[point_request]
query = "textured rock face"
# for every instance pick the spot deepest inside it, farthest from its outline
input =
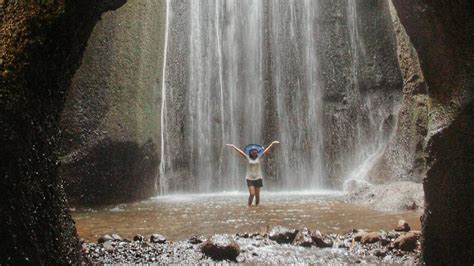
(441, 34)
(110, 123)
(366, 89)
(40, 49)
(404, 157)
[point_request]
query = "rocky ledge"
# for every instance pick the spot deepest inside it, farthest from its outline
(278, 245)
(396, 196)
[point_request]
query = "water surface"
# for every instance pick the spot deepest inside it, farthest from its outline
(179, 216)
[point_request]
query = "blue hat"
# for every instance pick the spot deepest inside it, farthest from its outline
(257, 147)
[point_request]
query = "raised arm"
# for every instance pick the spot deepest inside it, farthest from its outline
(238, 150)
(269, 146)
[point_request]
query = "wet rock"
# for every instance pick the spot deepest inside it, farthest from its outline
(358, 236)
(355, 185)
(393, 235)
(221, 247)
(379, 252)
(320, 240)
(370, 238)
(243, 235)
(104, 239)
(303, 238)
(407, 242)
(396, 196)
(108, 246)
(384, 241)
(247, 250)
(116, 237)
(283, 235)
(240, 259)
(402, 226)
(194, 240)
(157, 238)
(138, 238)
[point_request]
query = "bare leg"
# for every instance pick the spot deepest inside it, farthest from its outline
(257, 195)
(251, 194)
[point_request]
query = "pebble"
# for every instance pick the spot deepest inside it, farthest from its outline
(402, 226)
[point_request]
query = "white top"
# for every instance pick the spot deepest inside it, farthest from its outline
(254, 169)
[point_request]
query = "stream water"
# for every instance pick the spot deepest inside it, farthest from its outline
(178, 217)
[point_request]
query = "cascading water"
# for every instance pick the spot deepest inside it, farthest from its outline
(295, 75)
(374, 122)
(249, 71)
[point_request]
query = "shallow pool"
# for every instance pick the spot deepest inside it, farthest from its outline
(179, 216)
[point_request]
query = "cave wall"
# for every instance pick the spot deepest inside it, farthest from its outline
(404, 157)
(435, 39)
(40, 49)
(110, 126)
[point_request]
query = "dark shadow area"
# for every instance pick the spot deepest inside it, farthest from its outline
(442, 33)
(126, 174)
(449, 194)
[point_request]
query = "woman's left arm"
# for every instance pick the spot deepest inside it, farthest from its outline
(269, 146)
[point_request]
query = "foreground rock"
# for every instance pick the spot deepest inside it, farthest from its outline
(308, 247)
(407, 242)
(320, 240)
(370, 238)
(157, 238)
(306, 238)
(221, 247)
(41, 46)
(402, 226)
(282, 235)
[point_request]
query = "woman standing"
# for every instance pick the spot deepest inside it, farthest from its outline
(254, 176)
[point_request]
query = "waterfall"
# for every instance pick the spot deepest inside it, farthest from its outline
(372, 122)
(249, 71)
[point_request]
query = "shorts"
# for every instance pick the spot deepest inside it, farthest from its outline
(255, 183)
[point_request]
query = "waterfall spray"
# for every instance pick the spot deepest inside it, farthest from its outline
(222, 59)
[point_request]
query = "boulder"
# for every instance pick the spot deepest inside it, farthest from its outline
(320, 240)
(370, 238)
(402, 226)
(407, 242)
(221, 247)
(283, 235)
(353, 185)
(358, 236)
(303, 238)
(104, 239)
(157, 238)
(117, 237)
(194, 240)
(138, 238)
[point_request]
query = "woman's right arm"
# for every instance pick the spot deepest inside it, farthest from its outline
(238, 150)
